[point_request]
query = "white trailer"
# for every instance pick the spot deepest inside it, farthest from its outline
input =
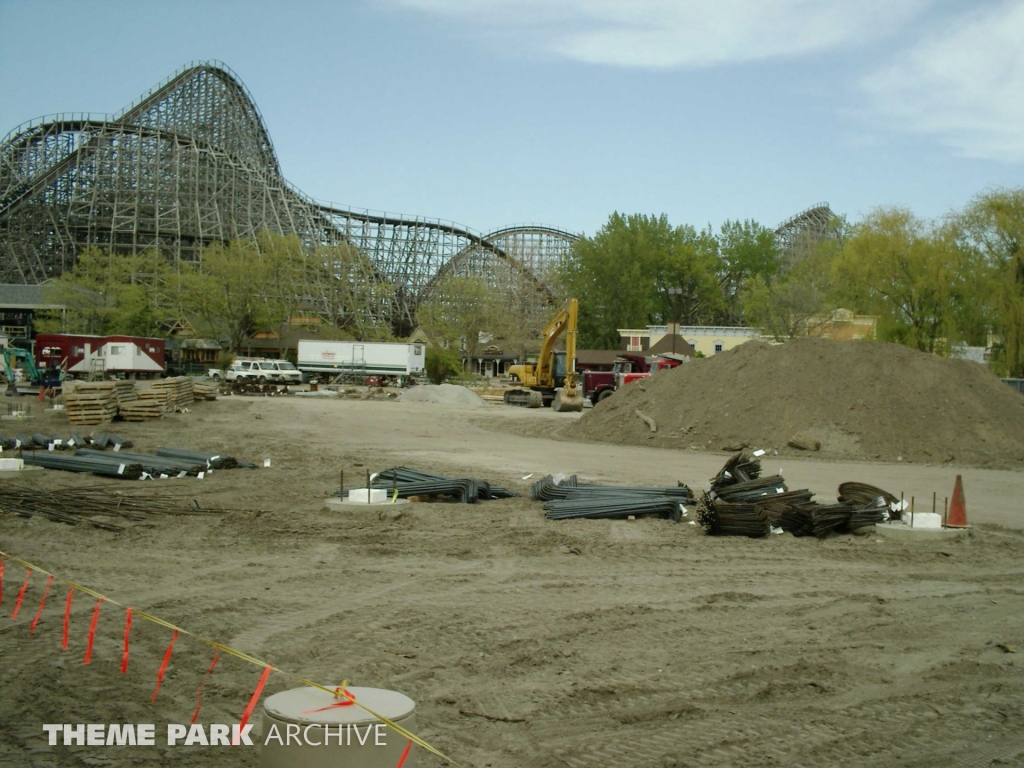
(354, 359)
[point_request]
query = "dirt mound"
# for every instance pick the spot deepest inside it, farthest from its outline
(858, 400)
(448, 394)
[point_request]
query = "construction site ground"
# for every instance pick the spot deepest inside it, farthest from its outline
(523, 642)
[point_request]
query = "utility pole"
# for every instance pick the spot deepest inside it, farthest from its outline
(675, 292)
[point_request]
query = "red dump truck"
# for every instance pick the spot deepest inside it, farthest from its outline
(597, 385)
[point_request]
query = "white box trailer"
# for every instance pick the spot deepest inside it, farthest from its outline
(361, 358)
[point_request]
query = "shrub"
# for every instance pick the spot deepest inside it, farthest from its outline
(442, 364)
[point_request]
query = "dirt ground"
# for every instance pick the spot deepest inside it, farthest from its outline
(653, 646)
(857, 400)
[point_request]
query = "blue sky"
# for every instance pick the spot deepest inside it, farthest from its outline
(496, 112)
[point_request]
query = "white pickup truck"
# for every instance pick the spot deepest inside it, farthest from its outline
(261, 372)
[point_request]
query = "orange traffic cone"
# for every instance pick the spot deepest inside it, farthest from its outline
(957, 507)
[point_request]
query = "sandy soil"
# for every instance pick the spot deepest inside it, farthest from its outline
(654, 646)
(857, 400)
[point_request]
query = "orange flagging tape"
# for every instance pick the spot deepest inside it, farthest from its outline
(218, 647)
(252, 704)
(127, 631)
(337, 692)
(42, 602)
(163, 665)
(405, 754)
(92, 631)
(1, 581)
(67, 617)
(199, 690)
(21, 594)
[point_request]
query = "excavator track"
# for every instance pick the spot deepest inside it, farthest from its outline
(525, 398)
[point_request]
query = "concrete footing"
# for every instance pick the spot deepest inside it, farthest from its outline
(902, 532)
(7, 474)
(338, 505)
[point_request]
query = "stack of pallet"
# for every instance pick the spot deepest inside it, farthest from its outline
(124, 392)
(95, 404)
(157, 399)
(144, 408)
(180, 389)
(207, 389)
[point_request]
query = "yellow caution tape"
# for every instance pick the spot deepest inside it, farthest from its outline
(243, 656)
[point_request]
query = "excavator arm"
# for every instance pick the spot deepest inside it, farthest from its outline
(563, 322)
(541, 377)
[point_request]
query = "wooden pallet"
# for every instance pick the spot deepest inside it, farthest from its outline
(142, 410)
(157, 398)
(89, 408)
(180, 388)
(205, 390)
(122, 391)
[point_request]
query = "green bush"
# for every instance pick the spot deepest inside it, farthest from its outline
(442, 364)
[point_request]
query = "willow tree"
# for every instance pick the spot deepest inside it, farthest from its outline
(111, 293)
(637, 270)
(991, 231)
(910, 273)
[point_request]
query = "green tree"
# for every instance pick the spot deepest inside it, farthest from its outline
(459, 309)
(908, 272)
(747, 251)
(111, 293)
(441, 364)
(990, 230)
(622, 277)
(226, 291)
(799, 297)
(343, 289)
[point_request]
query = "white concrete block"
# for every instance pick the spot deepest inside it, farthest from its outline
(11, 465)
(377, 495)
(924, 520)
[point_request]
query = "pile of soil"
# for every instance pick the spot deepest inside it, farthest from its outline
(857, 399)
(447, 394)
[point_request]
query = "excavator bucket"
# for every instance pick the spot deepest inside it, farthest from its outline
(566, 402)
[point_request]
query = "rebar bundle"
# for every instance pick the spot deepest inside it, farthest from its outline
(831, 517)
(547, 489)
(738, 469)
(862, 518)
(413, 482)
(793, 516)
(741, 502)
(721, 518)
(97, 465)
(212, 460)
(804, 518)
(104, 439)
(83, 505)
(749, 491)
(151, 465)
(866, 495)
(610, 505)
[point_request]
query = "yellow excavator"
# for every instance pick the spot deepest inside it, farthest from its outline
(553, 379)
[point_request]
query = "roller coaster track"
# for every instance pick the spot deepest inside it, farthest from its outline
(809, 226)
(191, 163)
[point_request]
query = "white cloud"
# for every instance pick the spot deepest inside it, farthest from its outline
(963, 84)
(679, 33)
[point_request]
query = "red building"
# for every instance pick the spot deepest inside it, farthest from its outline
(102, 355)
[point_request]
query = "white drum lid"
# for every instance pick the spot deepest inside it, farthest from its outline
(299, 704)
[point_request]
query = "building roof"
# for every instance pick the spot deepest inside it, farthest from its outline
(670, 344)
(19, 296)
(491, 351)
(597, 356)
(186, 343)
